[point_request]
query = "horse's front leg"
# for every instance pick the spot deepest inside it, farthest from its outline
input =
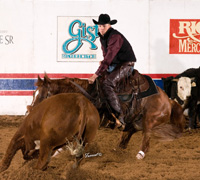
(125, 138)
(145, 146)
(30, 151)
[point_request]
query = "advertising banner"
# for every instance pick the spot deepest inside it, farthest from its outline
(77, 39)
(184, 36)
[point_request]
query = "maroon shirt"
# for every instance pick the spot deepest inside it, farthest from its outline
(116, 50)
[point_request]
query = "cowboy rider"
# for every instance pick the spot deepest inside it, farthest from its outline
(118, 61)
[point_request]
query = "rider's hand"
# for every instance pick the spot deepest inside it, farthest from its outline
(92, 78)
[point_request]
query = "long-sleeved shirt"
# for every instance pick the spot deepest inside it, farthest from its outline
(116, 50)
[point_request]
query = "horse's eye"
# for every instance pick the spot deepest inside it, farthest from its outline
(181, 88)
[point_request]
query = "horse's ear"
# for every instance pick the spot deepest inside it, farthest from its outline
(46, 78)
(175, 80)
(39, 82)
(67, 80)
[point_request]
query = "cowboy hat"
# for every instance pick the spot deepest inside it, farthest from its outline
(105, 19)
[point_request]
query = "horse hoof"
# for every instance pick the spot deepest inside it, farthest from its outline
(140, 155)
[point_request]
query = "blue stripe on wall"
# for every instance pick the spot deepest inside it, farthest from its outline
(159, 83)
(28, 84)
(17, 84)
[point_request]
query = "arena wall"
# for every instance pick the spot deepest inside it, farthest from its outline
(163, 33)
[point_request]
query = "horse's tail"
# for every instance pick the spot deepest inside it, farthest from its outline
(16, 143)
(174, 129)
(83, 118)
(77, 148)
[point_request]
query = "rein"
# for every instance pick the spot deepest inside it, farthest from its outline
(96, 101)
(83, 91)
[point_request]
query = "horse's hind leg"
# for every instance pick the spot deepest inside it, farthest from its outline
(80, 149)
(149, 123)
(78, 161)
(44, 155)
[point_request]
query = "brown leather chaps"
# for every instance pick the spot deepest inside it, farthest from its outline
(113, 78)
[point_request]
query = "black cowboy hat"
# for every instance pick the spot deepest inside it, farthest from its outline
(105, 19)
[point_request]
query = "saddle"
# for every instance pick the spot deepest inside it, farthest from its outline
(130, 91)
(135, 86)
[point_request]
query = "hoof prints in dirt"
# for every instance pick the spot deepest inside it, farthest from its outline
(10, 121)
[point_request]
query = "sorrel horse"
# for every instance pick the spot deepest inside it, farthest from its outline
(56, 122)
(159, 116)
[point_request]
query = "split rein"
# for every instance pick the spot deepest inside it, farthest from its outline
(96, 101)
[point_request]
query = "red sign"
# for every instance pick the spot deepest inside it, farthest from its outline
(184, 36)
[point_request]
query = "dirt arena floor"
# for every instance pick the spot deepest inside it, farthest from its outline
(175, 160)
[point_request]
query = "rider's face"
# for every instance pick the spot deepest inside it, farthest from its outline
(103, 28)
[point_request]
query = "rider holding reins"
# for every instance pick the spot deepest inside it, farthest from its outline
(118, 61)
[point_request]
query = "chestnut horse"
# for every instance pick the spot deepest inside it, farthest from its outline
(159, 116)
(55, 122)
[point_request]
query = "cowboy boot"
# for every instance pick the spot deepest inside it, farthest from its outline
(121, 118)
(120, 124)
(114, 103)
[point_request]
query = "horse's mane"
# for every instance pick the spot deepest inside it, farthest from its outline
(63, 85)
(82, 82)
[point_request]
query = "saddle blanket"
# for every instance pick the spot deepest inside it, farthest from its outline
(150, 91)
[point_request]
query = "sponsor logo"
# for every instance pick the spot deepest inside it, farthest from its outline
(5, 38)
(77, 39)
(83, 33)
(184, 36)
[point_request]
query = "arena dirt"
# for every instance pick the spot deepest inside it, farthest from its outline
(175, 160)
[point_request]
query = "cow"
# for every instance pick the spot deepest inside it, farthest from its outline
(185, 89)
(54, 123)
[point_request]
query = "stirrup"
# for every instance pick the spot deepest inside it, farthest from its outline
(121, 126)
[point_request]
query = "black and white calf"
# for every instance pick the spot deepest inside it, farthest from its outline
(185, 89)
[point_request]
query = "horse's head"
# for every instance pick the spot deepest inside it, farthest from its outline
(47, 87)
(41, 92)
(43, 88)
